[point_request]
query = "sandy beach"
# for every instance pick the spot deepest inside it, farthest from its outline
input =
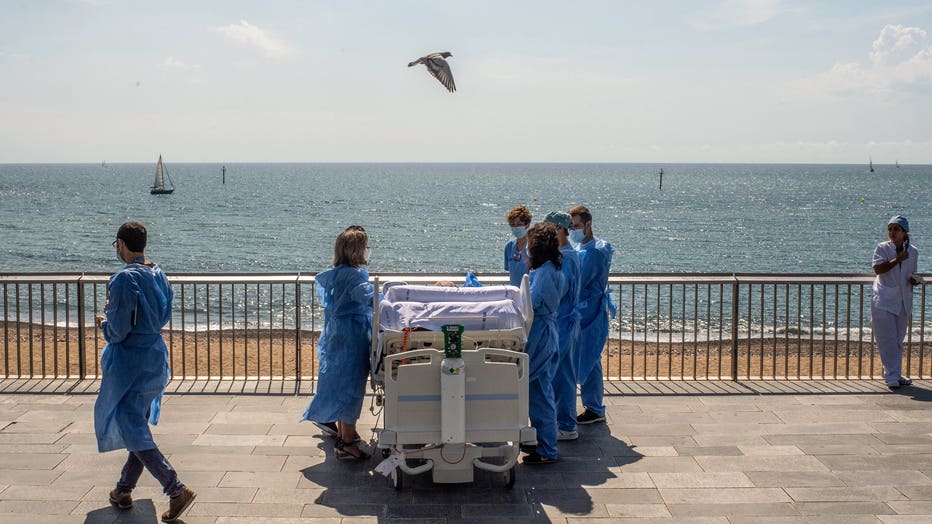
(245, 353)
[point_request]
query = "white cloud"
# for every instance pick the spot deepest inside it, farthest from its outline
(251, 35)
(729, 14)
(900, 59)
(897, 43)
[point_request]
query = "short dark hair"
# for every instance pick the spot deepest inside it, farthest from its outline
(544, 245)
(582, 212)
(133, 235)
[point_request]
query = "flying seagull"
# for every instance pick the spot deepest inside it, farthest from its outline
(438, 68)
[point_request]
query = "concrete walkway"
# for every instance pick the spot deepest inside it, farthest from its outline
(784, 452)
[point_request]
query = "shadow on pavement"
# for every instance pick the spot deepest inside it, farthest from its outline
(143, 511)
(540, 493)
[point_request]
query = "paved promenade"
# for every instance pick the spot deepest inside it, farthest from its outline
(782, 452)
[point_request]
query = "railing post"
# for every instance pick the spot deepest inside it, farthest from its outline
(82, 349)
(297, 333)
(734, 328)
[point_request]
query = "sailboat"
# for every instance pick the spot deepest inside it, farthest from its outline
(872, 164)
(159, 187)
(897, 164)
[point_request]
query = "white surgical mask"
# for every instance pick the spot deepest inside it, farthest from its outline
(366, 254)
(577, 235)
(519, 231)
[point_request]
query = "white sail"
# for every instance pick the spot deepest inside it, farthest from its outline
(159, 177)
(158, 186)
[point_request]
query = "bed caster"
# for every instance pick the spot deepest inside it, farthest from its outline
(509, 478)
(386, 453)
(397, 478)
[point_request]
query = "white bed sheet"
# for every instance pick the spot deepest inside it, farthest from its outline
(493, 314)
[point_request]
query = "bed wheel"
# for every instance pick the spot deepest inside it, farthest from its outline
(386, 452)
(397, 478)
(510, 478)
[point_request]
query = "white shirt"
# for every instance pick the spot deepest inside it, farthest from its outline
(892, 290)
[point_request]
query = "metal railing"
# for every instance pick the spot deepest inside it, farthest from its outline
(670, 327)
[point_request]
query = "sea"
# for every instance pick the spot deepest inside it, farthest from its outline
(450, 218)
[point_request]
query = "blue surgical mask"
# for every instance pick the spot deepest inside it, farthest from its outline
(577, 235)
(519, 231)
(120, 258)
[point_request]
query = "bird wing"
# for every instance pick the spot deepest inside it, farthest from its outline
(440, 69)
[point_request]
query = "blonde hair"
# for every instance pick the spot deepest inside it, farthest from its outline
(350, 248)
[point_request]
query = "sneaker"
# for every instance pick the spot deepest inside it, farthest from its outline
(905, 381)
(536, 458)
(567, 435)
(328, 428)
(121, 500)
(178, 504)
(893, 385)
(589, 417)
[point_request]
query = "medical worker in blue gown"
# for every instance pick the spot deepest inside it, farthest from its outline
(135, 371)
(547, 288)
(516, 263)
(595, 307)
(564, 371)
(343, 348)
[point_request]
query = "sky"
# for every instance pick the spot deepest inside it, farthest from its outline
(537, 81)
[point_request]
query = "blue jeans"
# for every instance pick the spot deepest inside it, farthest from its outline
(158, 466)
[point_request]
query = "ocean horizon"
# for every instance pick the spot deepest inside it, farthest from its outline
(450, 218)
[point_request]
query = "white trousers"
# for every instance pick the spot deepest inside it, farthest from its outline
(889, 332)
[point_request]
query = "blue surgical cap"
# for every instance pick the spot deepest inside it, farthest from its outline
(901, 221)
(559, 218)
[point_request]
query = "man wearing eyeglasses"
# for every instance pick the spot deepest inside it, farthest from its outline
(135, 371)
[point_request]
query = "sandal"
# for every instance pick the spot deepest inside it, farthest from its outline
(348, 451)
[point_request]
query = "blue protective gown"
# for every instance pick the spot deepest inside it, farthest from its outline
(134, 362)
(516, 262)
(547, 287)
(343, 348)
(595, 306)
(564, 373)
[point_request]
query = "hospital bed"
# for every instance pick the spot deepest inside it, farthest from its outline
(444, 414)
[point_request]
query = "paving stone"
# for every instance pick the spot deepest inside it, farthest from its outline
(771, 451)
(238, 429)
(847, 494)
(916, 492)
(734, 509)
(637, 510)
(32, 448)
(31, 460)
(346, 510)
(29, 438)
(43, 493)
(904, 519)
(38, 507)
(782, 479)
(911, 507)
(843, 508)
(723, 495)
(709, 451)
(702, 480)
(260, 479)
(786, 463)
(239, 440)
(208, 462)
(735, 439)
(219, 509)
(658, 464)
(610, 480)
(884, 478)
(821, 519)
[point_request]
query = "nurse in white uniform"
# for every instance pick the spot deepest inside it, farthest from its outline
(895, 264)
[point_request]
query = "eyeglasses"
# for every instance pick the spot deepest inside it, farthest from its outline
(356, 228)
(114, 242)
